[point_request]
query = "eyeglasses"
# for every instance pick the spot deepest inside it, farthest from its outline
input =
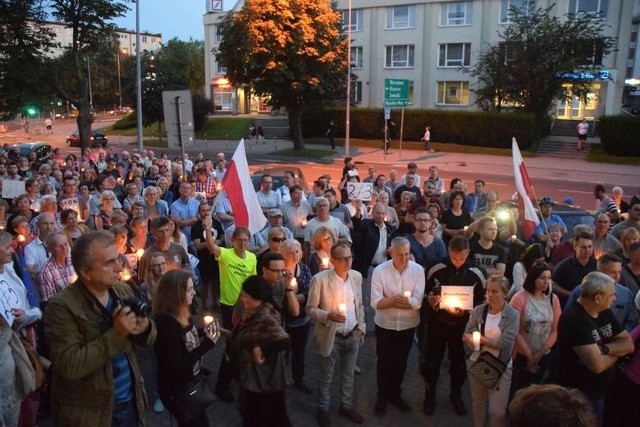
(344, 259)
(162, 264)
(278, 239)
(275, 270)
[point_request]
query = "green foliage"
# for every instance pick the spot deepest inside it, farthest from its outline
(620, 135)
(291, 50)
(462, 127)
(202, 107)
(127, 122)
(520, 71)
(23, 79)
(223, 128)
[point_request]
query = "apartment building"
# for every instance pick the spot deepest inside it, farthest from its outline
(127, 39)
(427, 41)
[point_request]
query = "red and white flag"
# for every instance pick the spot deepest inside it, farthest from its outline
(239, 188)
(528, 216)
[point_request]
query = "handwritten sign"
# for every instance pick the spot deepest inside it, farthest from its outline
(456, 297)
(8, 299)
(12, 189)
(360, 191)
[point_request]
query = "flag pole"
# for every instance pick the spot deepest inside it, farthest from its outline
(535, 196)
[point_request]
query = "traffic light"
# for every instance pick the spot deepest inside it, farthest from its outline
(31, 111)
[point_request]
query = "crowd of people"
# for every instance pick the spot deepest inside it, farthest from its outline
(106, 256)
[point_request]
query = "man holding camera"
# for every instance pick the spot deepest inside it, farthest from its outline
(91, 327)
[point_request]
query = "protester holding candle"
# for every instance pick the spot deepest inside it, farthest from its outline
(179, 346)
(442, 328)
(323, 239)
(498, 323)
(397, 290)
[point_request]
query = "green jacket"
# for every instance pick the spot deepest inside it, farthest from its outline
(81, 351)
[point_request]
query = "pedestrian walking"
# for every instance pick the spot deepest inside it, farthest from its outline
(331, 129)
(582, 129)
(427, 139)
(48, 123)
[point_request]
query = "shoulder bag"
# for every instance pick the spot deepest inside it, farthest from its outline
(487, 368)
(192, 399)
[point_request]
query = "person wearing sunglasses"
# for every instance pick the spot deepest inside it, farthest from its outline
(275, 237)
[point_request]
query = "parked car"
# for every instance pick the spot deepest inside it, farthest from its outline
(277, 173)
(98, 139)
(43, 150)
(571, 215)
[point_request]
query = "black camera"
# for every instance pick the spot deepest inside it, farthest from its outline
(139, 308)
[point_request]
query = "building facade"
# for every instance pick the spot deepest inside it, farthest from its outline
(427, 41)
(126, 38)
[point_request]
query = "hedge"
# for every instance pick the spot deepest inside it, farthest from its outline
(620, 135)
(127, 122)
(462, 127)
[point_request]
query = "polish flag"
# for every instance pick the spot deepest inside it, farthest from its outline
(528, 216)
(244, 201)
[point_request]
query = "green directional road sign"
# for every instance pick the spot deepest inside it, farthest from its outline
(396, 92)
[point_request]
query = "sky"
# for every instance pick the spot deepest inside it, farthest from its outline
(171, 18)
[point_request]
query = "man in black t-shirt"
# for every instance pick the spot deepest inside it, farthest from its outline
(590, 341)
(208, 266)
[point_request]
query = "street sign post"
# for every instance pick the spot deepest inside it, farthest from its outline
(396, 92)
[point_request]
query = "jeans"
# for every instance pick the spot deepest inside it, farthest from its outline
(392, 349)
(125, 414)
(347, 350)
(298, 336)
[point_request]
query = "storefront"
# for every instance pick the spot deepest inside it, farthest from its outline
(574, 107)
(223, 95)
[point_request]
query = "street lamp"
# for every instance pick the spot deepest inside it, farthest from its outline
(119, 80)
(347, 129)
(138, 79)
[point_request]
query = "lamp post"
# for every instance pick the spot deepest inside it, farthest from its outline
(138, 79)
(119, 81)
(347, 129)
(89, 76)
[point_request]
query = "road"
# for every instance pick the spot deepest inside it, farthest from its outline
(555, 181)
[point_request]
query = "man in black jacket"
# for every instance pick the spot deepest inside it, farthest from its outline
(444, 326)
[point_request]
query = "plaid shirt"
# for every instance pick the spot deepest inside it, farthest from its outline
(54, 278)
(208, 188)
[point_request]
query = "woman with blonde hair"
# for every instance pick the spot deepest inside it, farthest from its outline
(627, 238)
(323, 240)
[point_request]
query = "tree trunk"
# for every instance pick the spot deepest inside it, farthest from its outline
(295, 122)
(82, 104)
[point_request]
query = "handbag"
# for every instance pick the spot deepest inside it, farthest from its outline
(36, 363)
(192, 399)
(487, 368)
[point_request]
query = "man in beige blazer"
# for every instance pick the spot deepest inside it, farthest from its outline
(335, 305)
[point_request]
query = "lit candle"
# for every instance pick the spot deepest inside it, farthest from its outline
(139, 253)
(74, 277)
(386, 219)
(407, 294)
(1, 227)
(466, 227)
(325, 262)
(179, 177)
(294, 283)
(476, 341)
(208, 320)
(514, 238)
(21, 238)
(219, 187)
(451, 303)
(126, 274)
(342, 308)
(304, 222)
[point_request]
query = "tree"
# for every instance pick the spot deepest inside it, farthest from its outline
(536, 55)
(90, 22)
(292, 51)
(23, 44)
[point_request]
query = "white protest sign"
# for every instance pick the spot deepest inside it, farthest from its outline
(456, 297)
(360, 191)
(12, 189)
(8, 299)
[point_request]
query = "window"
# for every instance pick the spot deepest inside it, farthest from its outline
(453, 93)
(399, 56)
(458, 13)
(528, 6)
(596, 7)
(356, 92)
(356, 57)
(590, 52)
(454, 55)
(399, 17)
(218, 34)
(356, 20)
(144, 39)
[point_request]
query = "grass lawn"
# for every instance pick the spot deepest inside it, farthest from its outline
(231, 128)
(598, 155)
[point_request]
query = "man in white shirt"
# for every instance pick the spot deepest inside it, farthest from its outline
(268, 198)
(397, 290)
(36, 253)
(324, 218)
